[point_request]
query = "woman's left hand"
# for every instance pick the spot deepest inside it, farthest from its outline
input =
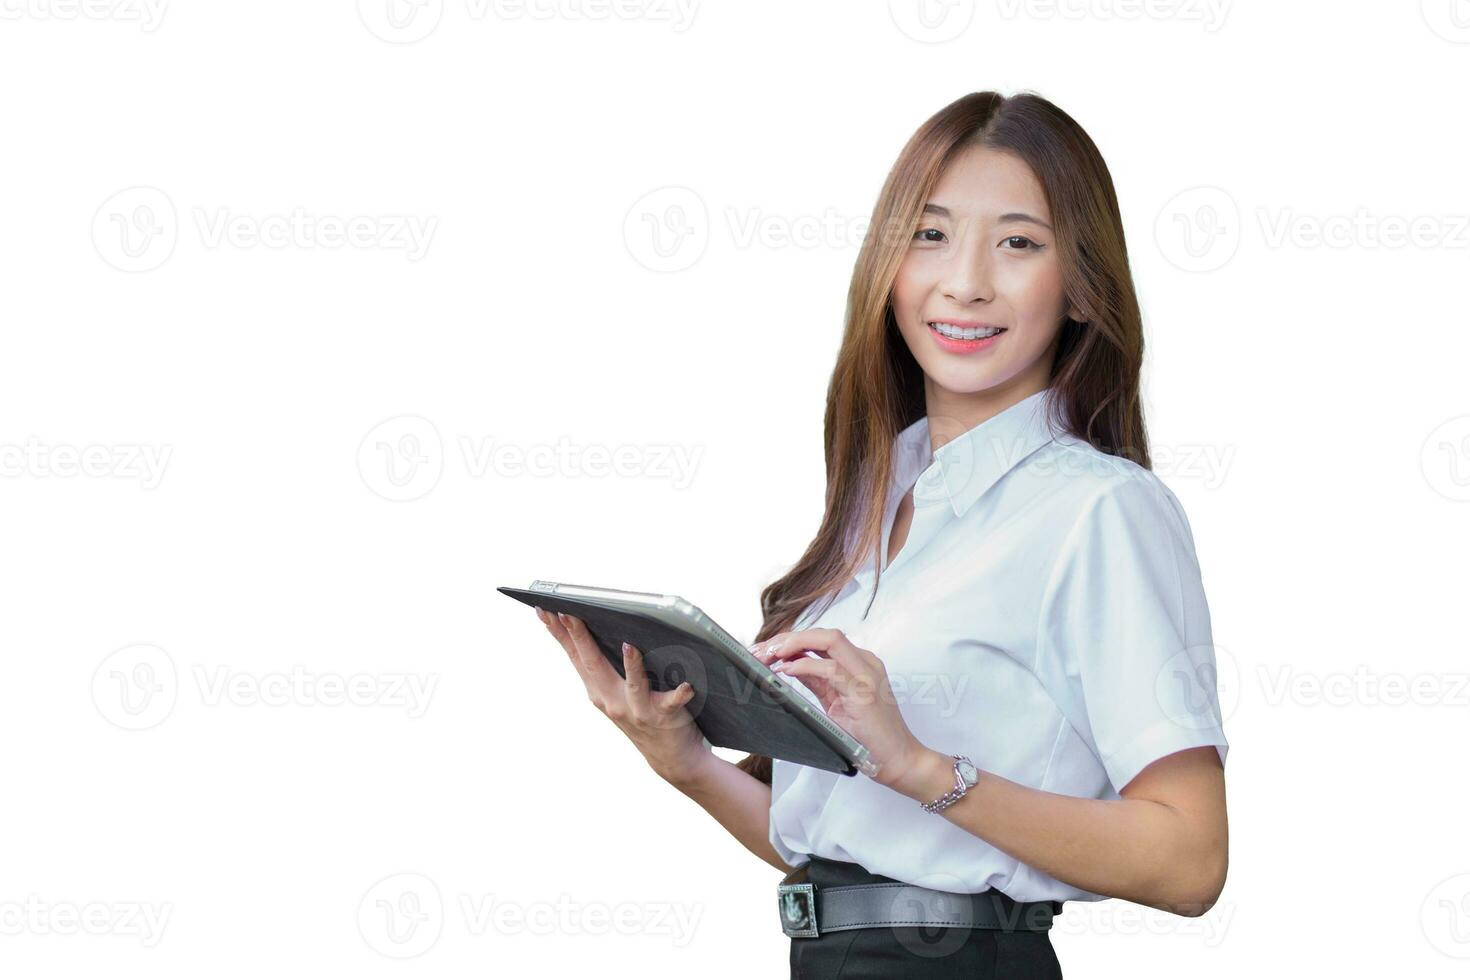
(852, 685)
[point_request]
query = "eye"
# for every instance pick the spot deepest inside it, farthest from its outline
(927, 231)
(1029, 246)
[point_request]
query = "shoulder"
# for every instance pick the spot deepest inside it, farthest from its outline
(1105, 493)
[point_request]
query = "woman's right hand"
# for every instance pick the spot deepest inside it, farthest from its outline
(656, 722)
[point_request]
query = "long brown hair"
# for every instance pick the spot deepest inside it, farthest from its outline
(877, 388)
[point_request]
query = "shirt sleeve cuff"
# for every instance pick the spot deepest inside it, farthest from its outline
(1163, 738)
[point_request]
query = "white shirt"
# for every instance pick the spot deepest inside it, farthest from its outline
(1045, 616)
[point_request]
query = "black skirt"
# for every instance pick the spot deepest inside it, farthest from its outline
(928, 952)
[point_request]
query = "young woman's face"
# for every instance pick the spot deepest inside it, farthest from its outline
(984, 255)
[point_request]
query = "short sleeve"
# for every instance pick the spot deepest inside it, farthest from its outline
(1124, 631)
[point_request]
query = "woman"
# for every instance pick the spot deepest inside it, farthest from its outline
(1034, 677)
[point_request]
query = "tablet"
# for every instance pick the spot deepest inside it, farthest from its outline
(739, 703)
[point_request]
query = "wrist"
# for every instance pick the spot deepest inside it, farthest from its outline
(927, 777)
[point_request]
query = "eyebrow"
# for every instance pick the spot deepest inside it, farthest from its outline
(943, 212)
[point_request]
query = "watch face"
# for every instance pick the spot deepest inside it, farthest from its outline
(969, 773)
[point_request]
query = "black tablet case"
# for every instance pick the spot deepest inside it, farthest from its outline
(732, 709)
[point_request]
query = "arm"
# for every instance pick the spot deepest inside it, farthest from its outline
(739, 801)
(1164, 844)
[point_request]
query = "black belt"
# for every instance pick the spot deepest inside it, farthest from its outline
(808, 911)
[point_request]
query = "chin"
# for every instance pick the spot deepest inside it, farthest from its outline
(962, 382)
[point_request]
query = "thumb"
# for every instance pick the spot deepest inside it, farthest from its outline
(677, 698)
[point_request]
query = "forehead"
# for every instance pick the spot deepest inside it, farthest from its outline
(983, 181)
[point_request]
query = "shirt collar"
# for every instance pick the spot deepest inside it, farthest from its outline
(969, 464)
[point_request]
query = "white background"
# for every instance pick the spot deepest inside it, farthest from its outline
(1305, 393)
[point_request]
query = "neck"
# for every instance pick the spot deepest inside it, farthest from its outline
(952, 414)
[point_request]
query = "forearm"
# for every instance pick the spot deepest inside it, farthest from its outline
(1137, 850)
(739, 801)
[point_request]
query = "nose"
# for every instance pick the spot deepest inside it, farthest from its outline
(966, 277)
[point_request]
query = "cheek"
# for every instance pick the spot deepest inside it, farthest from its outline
(906, 290)
(1037, 295)
(911, 288)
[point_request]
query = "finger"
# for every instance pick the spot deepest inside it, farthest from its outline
(599, 674)
(635, 682)
(670, 703)
(829, 643)
(554, 627)
(820, 686)
(855, 688)
(829, 672)
(817, 685)
(773, 648)
(559, 632)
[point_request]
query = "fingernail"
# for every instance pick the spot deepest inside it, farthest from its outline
(563, 617)
(627, 650)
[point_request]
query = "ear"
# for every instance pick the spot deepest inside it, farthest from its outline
(1075, 314)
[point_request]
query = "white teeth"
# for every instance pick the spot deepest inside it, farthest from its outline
(967, 333)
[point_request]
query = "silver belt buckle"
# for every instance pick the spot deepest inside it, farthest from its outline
(798, 909)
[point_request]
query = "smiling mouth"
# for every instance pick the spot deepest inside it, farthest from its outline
(954, 332)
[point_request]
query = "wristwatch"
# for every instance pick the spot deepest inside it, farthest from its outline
(965, 776)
